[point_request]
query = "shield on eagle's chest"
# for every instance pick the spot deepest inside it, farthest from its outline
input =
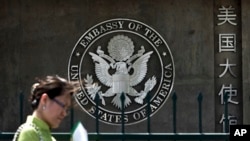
(120, 83)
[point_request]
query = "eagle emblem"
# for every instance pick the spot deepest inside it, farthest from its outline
(128, 70)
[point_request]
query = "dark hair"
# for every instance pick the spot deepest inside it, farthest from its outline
(53, 86)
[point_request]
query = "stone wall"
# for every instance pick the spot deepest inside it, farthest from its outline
(37, 37)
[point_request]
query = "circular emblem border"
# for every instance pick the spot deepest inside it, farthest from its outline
(123, 25)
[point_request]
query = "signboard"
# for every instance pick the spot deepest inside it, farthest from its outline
(122, 56)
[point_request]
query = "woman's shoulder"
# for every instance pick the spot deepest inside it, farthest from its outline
(28, 132)
(28, 128)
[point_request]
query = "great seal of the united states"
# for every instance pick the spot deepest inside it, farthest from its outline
(124, 66)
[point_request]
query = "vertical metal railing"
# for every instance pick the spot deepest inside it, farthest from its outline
(174, 99)
(225, 95)
(97, 115)
(149, 136)
(199, 99)
(148, 114)
(21, 97)
(123, 112)
(174, 112)
(72, 112)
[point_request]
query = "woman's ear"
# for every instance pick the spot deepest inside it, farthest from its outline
(44, 99)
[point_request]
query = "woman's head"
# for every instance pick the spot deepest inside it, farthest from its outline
(51, 98)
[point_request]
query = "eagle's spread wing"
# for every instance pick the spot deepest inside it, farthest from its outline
(140, 69)
(101, 69)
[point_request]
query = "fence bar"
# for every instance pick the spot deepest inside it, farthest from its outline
(137, 136)
(71, 117)
(174, 98)
(96, 113)
(200, 97)
(21, 107)
(122, 112)
(226, 112)
(225, 96)
(160, 136)
(149, 113)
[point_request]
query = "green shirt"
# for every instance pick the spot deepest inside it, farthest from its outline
(35, 129)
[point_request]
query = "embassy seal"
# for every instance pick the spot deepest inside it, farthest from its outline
(126, 71)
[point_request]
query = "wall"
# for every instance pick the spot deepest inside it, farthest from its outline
(37, 37)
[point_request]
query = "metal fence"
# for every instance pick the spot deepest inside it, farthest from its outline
(146, 136)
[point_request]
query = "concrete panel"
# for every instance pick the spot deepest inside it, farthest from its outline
(37, 37)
